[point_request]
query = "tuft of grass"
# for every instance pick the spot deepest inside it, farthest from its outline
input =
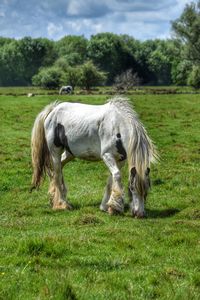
(46, 246)
(88, 219)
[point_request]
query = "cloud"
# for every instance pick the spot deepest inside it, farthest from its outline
(142, 6)
(87, 9)
(2, 14)
(55, 18)
(54, 30)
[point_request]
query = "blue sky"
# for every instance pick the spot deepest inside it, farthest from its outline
(144, 19)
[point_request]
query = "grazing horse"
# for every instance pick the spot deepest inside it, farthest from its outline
(111, 132)
(66, 90)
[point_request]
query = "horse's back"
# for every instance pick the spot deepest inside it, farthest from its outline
(80, 107)
(79, 124)
(90, 129)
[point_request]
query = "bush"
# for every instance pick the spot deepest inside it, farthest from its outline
(72, 76)
(194, 77)
(126, 80)
(86, 75)
(91, 76)
(50, 78)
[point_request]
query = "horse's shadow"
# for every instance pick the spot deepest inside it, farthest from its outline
(159, 213)
(150, 213)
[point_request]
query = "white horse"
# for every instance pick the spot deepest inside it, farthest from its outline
(66, 90)
(111, 132)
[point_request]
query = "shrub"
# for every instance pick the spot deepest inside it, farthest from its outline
(49, 78)
(72, 76)
(126, 80)
(91, 76)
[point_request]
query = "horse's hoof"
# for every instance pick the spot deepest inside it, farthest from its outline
(103, 208)
(62, 206)
(113, 211)
(69, 207)
(139, 215)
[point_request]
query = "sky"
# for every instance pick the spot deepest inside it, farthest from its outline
(144, 19)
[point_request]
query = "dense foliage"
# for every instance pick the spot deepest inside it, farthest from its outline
(157, 62)
(187, 29)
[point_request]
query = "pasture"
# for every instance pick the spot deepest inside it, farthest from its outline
(85, 253)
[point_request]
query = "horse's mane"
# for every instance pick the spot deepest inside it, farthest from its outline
(124, 105)
(141, 150)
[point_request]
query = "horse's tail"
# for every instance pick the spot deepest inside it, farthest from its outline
(41, 160)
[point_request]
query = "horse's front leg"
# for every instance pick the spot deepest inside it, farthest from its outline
(116, 201)
(106, 196)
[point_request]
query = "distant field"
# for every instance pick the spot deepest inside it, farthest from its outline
(23, 91)
(86, 254)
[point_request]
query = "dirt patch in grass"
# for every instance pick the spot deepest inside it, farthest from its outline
(88, 219)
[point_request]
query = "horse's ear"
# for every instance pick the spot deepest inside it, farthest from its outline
(147, 171)
(133, 172)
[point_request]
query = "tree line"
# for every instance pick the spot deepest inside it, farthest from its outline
(101, 59)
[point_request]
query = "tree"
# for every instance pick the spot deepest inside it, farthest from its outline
(21, 59)
(194, 77)
(91, 76)
(181, 71)
(109, 52)
(143, 53)
(4, 40)
(36, 53)
(187, 30)
(73, 49)
(11, 66)
(160, 60)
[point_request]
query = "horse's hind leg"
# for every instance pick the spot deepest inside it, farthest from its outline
(65, 158)
(52, 188)
(59, 200)
(115, 202)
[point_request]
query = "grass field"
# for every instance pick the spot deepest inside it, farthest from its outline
(84, 253)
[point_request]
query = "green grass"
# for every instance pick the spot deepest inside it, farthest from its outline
(105, 90)
(84, 253)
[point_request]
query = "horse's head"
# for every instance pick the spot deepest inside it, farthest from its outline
(138, 190)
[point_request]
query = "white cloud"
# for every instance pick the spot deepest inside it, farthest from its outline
(84, 25)
(87, 8)
(141, 19)
(74, 8)
(54, 30)
(2, 14)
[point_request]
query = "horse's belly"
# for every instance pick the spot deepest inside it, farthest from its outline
(87, 155)
(90, 155)
(88, 150)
